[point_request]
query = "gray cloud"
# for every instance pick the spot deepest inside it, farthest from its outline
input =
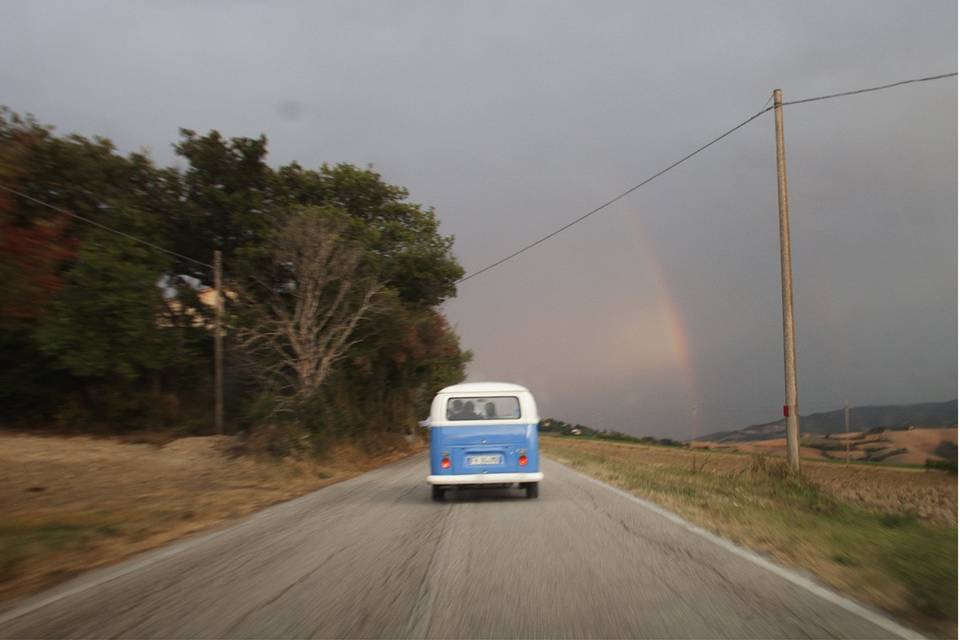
(513, 118)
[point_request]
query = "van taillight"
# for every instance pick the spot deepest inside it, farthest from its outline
(522, 460)
(445, 463)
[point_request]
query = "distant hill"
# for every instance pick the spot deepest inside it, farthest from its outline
(925, 414)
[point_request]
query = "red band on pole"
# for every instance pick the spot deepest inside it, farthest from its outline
(786, 411)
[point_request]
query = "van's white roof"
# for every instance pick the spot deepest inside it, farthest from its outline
(483, 387)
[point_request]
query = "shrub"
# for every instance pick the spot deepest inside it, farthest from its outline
(941, 465)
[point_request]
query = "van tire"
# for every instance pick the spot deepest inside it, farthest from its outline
(437, 492)
(533, 490)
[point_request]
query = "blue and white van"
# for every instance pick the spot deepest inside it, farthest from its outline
(484, 434)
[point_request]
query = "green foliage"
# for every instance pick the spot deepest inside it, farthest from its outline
(941, 465)
(96, 327)
(226, 190)
(30, 384)
(105, 323)
(924, 559)
(417, 261)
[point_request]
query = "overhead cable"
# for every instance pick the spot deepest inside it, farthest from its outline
(66, 212)
(687, 157)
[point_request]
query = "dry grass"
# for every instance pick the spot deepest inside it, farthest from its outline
(887, 536)
(930, 496)
(71, 504)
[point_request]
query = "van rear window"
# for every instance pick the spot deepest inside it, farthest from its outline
(496, 408)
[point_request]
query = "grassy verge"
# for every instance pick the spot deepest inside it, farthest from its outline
(895, 559)
(72, 504)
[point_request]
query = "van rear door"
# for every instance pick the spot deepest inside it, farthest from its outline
(486, 449)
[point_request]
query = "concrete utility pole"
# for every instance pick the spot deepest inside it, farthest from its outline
(790, 411)
(218, 342)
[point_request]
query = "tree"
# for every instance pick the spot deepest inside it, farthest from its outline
(227, 203)
(32, 256)
(333, 266)
(417, 261)
(105, 322)
(32, 249)
(311, 286)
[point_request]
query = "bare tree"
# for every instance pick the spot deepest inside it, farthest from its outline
(304, 305)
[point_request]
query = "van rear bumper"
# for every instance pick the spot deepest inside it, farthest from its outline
(486, 478)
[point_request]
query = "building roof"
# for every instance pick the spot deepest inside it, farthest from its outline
(483, 387)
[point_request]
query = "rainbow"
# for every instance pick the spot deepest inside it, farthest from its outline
(677, 335)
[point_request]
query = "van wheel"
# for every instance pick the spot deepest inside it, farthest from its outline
(533, 490)
(437, 492)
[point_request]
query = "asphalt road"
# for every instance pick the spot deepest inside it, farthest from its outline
(374, 557)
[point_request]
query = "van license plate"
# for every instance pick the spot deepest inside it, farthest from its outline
(481, 460)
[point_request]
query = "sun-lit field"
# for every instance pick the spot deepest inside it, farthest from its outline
(910, 447)
(885, 535)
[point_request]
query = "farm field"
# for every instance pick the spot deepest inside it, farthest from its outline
(891, 446)
(885, 535)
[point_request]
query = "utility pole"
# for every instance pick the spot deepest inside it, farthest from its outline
(846, 427)
(218, 342)
(786, 287)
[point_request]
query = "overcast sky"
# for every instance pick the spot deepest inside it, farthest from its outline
(660, 315)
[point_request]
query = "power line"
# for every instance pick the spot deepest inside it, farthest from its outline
(769, 100)
(764, 110)
(103, 226)
(868, 89)
(616, 198)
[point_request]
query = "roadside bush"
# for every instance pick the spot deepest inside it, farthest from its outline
(941, 465)
(280, 441)
(947, 450)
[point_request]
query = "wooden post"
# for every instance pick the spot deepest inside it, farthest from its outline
(790, 408)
